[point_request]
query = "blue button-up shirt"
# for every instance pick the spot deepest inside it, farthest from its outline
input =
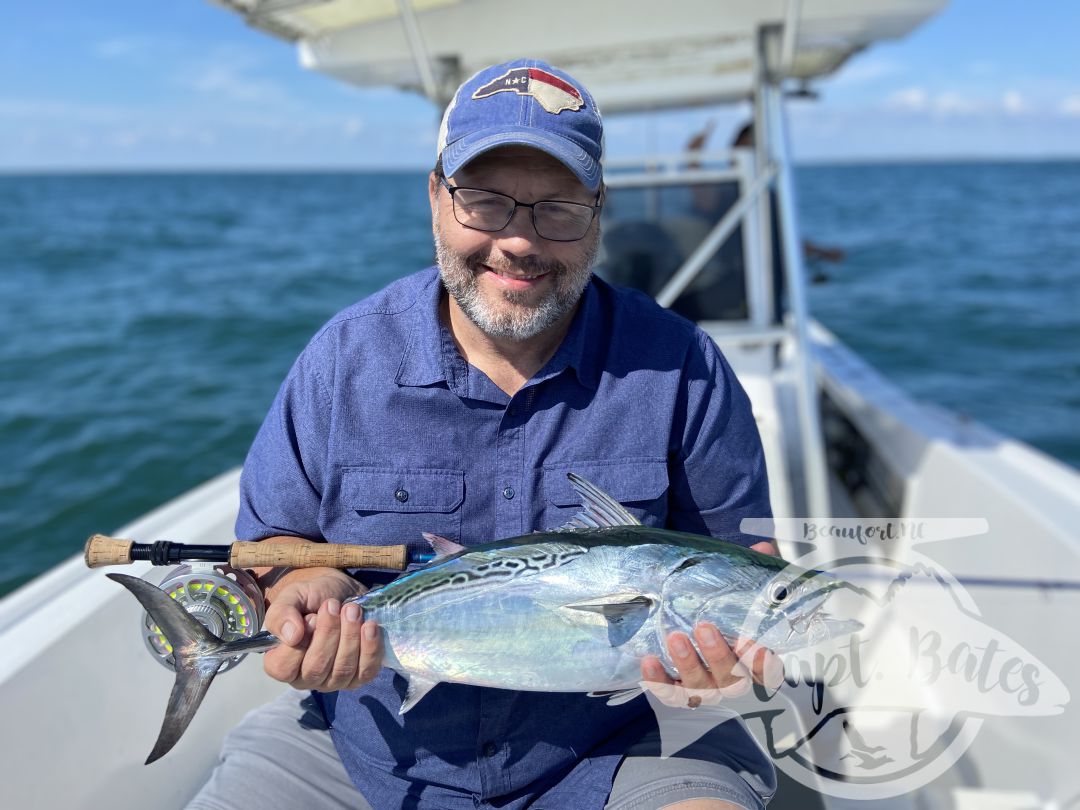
(382, 431)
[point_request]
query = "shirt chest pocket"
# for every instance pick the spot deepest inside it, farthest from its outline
(386, 506)
(640, 485)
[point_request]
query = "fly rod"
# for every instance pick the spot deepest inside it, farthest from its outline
(103, 550)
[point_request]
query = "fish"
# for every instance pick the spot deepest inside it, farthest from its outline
(574, 609)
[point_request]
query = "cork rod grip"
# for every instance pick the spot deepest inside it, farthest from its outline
(315, 555)
(103, 550)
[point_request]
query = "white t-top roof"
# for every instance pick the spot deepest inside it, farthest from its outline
(631, 54)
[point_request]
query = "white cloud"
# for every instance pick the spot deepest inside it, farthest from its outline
(353, 127)
(227, 82)
(990, 106)
(911, 99)
(180, 134)
(1015, 104)
(867, 70)
(127, 139)
(876, 133)
(956, 104)
(57, 112)
(1070, 106)
(918, 100)
(981, 68)
(122, 47)
(232, 74)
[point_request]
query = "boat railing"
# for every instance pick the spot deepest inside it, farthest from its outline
(658, 165)
(773, 149)
(774, 307)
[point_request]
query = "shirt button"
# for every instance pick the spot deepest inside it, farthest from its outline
(508, 493)
(402, 495)
(490, 749)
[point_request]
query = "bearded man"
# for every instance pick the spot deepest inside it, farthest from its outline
(454, 402)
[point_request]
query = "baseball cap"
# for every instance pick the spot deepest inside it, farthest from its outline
(524, 102)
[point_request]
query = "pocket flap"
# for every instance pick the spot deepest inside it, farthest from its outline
(625, 481)
(377, 489)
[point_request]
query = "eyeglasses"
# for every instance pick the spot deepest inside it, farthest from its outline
(555, 220)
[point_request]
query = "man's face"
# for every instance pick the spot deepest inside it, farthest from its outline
(513, 284)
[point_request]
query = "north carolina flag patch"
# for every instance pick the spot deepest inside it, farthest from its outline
(551, 92)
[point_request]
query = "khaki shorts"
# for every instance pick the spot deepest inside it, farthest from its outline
(281, 757)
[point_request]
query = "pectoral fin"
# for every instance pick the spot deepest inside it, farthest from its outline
(624, 613)
(614, 605)
(418, 687)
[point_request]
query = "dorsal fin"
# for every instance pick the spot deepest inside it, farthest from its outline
(441, 546)
(598, 508)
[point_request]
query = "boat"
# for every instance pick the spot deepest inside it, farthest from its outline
(82, 700)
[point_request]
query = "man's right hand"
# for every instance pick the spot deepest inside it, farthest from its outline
(325, 646)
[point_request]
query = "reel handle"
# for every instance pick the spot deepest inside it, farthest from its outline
(104, 550)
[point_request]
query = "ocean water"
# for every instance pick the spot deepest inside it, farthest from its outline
(149, 319)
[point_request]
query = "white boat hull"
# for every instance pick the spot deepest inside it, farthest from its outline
(82, 700)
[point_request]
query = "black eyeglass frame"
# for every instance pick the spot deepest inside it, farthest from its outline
(593, 209)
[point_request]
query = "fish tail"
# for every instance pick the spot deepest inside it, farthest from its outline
(197, 656)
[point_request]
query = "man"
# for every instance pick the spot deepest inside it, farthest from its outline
(454, 402)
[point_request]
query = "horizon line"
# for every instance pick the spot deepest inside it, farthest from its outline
(15, 171)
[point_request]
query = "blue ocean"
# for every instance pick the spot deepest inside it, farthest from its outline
(149, 319)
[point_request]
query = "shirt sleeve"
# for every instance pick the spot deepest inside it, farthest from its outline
(717, 471)
(282, 480)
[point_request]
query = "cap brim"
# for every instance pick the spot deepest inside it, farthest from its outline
(465, 149)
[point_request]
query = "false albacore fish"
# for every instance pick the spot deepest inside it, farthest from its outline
(570, 610)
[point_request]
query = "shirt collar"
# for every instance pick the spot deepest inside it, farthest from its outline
(422, 364)
(430, 357)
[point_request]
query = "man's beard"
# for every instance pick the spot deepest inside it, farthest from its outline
(516, 319)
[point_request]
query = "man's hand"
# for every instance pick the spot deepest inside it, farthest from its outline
(325, 646)
(724, 672)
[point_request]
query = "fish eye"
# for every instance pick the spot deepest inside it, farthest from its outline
(779, 593)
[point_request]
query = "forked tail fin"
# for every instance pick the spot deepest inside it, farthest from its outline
(197, 655)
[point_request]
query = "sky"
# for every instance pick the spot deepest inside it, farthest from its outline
(131, 84)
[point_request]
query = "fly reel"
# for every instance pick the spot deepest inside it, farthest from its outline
(224, 600)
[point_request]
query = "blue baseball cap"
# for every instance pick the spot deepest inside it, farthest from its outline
(525, 102)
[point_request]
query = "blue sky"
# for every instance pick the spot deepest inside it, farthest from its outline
(185, 84)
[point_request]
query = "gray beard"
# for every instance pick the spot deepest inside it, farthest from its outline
(517, 321)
